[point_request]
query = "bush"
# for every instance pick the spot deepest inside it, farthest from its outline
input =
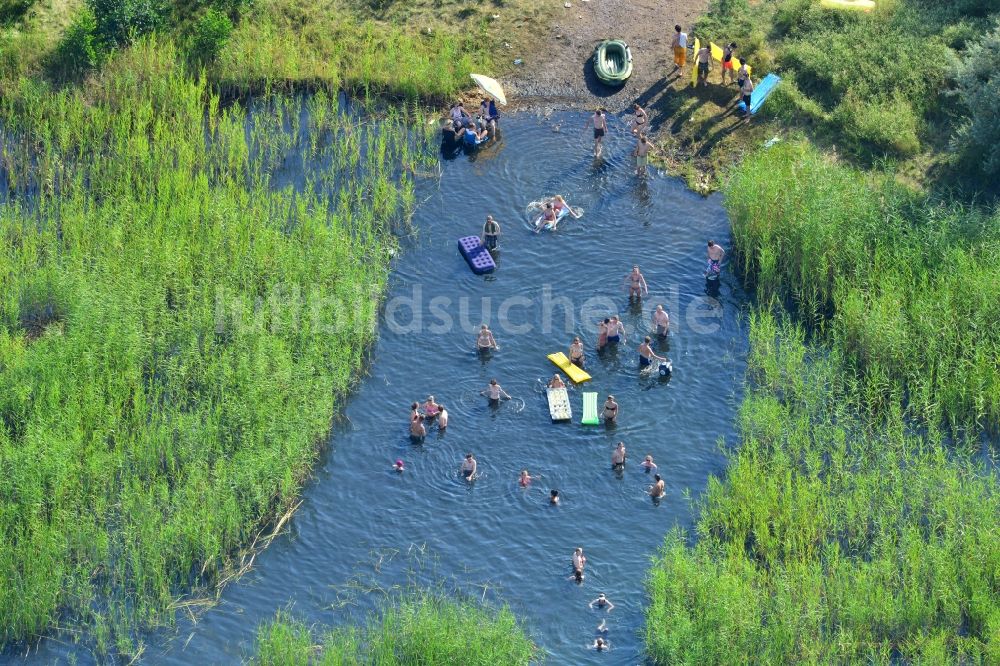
(120, 22)
(79, 49)
(888, 126)
(209, 36)
(13, 10)
(979, 90)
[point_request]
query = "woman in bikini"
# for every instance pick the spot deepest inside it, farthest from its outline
(549, 218)
(639, 122)
(610, 410)
(485, 340)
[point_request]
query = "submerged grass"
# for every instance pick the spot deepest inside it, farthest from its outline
(859, 520)
(179, 317)
(416, 628)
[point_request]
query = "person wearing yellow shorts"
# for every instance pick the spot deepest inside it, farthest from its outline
(679, 43)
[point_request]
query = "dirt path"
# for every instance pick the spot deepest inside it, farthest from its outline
(558, 73)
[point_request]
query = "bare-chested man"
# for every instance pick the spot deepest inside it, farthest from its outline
(647, 355)
(661, 321)
(600, 123)
(715, 255)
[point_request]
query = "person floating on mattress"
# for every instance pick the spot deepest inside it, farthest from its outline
(715, 255)
(548, 217)
(646, 354)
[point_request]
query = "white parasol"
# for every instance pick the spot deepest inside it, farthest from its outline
(491, 87)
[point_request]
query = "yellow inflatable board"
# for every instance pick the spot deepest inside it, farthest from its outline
(858, 5)
(574, 373)
(718, 54)
(694, 63)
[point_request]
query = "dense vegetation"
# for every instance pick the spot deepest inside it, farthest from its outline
(418, 628)
(909, 83)
(171, 330)
(851, 525)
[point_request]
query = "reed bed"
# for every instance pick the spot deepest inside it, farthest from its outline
(859, 520)
(837, 536)
(415, 628)
(187, 291)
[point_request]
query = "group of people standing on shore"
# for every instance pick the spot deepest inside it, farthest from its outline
(703, 61)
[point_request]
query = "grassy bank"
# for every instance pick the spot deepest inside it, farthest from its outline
(858, 520)
(173, 340)
(879, 87)
(419, 628)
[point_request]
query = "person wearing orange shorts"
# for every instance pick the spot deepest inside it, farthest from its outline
(727, 62)
(679, 44)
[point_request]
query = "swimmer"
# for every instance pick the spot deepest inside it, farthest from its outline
(431, 408)
(657, 489)
(616, 330)
(579, 562)
(602, 333)
(525, 479)
(554, 497)
(469, 467)
(618, 456)
(647, 464)
(636, 283)
(610, 410)
(661, 321)
(559, 204)
(602, 628)
(646, 354)
(600, 645)
(398, 466)
(715, 256)
(602, 602)
(576, 353)
(494, 392)
(485, 340)
(442, 419)
(417, 430)
(557, 382)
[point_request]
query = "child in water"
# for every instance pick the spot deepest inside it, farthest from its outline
(398, 466)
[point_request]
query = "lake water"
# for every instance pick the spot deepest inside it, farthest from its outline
(363, 530)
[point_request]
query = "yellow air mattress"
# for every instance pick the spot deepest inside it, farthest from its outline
(694, 63)
(574, 373)
(857, 5)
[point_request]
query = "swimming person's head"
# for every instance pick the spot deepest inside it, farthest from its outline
(621, 445)
(711, 243)
(648, 339)
(430, 398)
(493, 382)
(607, 321)
(649, 458)
(657, 477)
(489, 218)
(659, 307)
(414, 406)
(554, 495)
(484, 327)
(468, 456)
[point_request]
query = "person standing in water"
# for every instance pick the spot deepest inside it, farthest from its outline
(494, 392)
(616, 331)
(469, 467)
(431, 408)
(442, 419)
(491, 233)
(600, 124)
(602, 333)
(727, 62)
(646, 354)
(525, 479)
(679, 43)
(704, 60)
(485, 340)
(557, 381)
(554, 497)
(641, 152)
(618, 457)
(636, 283)
(647, 464)
(576, 355)
(661, 321)
(610, 410)
(657, 489)
(715, 256)
(417, 430)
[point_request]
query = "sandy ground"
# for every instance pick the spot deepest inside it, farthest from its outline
(558, 71)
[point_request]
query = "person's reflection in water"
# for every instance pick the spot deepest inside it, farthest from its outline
(643, 198)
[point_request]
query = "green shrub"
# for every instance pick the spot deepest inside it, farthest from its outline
(876, 126)
(979, 90)
(120, 22)
(79, 50)
(13, 10)
(209, 36)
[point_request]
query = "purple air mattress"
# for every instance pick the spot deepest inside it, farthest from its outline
(478, 256)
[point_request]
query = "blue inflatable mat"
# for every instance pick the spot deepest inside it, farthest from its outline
(760, 93)
(478, 257)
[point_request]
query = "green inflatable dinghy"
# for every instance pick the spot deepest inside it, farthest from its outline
(613, 62)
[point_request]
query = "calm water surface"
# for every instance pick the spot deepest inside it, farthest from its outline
(364, 530)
